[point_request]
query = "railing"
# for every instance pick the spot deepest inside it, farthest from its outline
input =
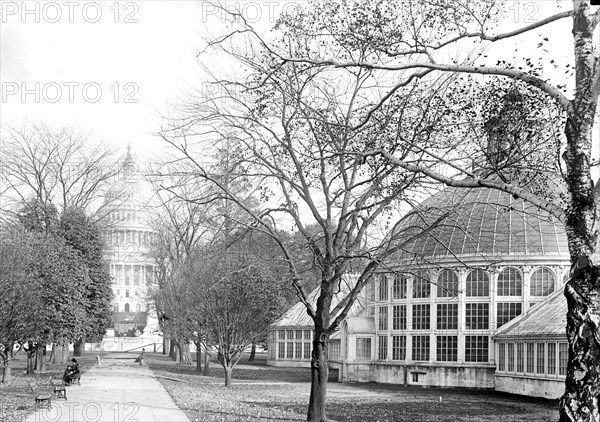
(156, 347)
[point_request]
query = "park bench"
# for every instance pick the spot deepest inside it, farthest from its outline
(41, 399)
(75, 378)
(60, 391)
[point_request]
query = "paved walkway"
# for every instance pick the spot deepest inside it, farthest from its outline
(119, 391)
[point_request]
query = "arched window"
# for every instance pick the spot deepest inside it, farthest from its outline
(118, 292)
(138, 307)
(542, 282)
(116, 307)
(447, 284)
(127, 307)
(421, 285)
(478, 283)
(399, 286)
(510, 282)
(383, 287)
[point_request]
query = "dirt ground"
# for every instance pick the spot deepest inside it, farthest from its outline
(263, 393)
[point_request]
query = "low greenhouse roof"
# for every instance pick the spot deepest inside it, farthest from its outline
(297, 316)
(545, 319)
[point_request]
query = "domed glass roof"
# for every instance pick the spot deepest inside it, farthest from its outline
(481, 222)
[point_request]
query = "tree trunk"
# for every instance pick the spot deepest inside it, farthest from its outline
(65, 353)
(228, 370)
(78, 347)
(319, 374)
(6, 370)
(172, 351)
(40, 358)
(185, 354)
(31, 360)
(58, 353)
(198, 358)
(252, 353)
(582, 385)
(6, 373)
(166, 345)
(206, 370)
(580, 401)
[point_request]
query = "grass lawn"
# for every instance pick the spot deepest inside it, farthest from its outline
(16, 398)
(264, 393)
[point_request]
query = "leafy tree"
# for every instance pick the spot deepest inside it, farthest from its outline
(54, 273)
(239, 301)
(16, 254)
(85, 237)
(52, 281)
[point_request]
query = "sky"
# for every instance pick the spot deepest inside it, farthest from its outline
(115, 68)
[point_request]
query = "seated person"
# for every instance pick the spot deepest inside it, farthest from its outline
(72, 372)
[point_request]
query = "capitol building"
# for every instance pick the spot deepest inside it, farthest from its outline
(128, 234)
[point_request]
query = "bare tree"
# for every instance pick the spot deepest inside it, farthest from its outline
(181, 226)
(55, 166)
(293, 151)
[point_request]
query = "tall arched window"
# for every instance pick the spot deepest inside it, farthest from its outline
(383, 287)
(447, 284)
(542, 282)
(478, 283)
(116, 307)
(127, 307)
(510, 282)
(421, 285)
(138, 307)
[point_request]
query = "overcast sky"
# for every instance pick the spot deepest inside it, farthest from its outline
(113, 68)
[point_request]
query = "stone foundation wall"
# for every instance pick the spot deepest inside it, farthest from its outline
(424, 375)
(530, 386)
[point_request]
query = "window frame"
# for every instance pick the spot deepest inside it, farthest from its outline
(477, 287)
(447, 284)
(510, 286)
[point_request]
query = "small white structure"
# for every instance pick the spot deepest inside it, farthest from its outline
(290, 338)
(532, 351)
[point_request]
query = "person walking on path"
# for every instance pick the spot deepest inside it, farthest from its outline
(140, 358)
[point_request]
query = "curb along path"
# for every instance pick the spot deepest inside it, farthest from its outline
(118, 391)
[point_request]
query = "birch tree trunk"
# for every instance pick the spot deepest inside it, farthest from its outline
(582, 385)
